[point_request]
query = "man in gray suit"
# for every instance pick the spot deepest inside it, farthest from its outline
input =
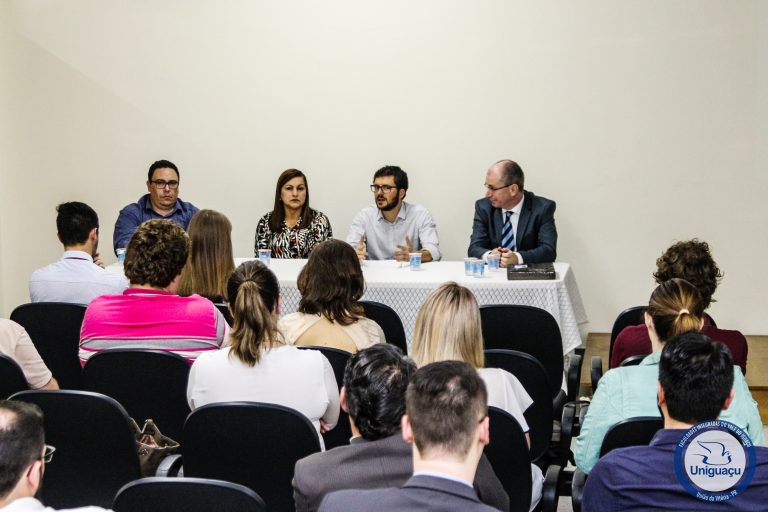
(447, 421)
(511, 221)
(375, 382)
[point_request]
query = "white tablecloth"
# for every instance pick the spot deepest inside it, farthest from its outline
(404, 291)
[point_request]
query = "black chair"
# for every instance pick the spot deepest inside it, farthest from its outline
(249, 443)
(188, 494)
(225, 312)
(630, 432)
(95, 447)
(633, 360)
(341, 434)
(535, 332)
(389, 322)
(534, 379)
(630, 316)
(147, 383)
(509, 456)
(12, 378)
(54, 328)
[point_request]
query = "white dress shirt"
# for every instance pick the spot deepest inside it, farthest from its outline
(74, 279)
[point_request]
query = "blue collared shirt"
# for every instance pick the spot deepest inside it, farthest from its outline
(134, 214)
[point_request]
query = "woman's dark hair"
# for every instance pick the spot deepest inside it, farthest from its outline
(675, 308)
(332, 282)
(278, 212)
(252, 292)
(692, 261)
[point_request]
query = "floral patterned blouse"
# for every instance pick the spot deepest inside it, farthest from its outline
(292, 242)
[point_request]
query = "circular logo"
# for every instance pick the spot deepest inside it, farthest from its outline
(715, 461)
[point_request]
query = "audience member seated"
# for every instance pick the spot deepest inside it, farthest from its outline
(375, 381)
(149, 314)
(330, 284)
(695, 384)
(292, 228)
(258, 366)
(210, 259)
(161, 202)
(79, 275)
(448, 328)
(692, 261)
(627, 392)
(15, 342)
(447, 419)
(23, 456)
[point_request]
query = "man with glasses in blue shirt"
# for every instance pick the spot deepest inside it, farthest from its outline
(512, 222)
(393, 228)
(161, 202)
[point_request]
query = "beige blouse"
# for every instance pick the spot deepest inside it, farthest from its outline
(363, 333)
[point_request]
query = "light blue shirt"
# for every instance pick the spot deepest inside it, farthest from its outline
(630, 391)
(382, 237)
(75, 278)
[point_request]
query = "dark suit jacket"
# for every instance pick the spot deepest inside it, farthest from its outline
(419, 493)
(387, 462)
(536, 237)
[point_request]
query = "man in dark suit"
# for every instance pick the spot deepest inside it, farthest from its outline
(513, 222)
(447, 421)
(375, 381)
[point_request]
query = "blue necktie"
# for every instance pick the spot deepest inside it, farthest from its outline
(507, 235)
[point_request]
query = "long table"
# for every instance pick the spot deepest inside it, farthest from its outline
(404, 291)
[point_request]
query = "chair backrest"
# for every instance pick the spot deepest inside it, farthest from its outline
(630, 316)
(224, 309)
(249, 443)
(95, 447)
(534, 379)
(188, 494)
(12, 378)
(54, 328)
(508, 454)
(526, 329)
(389, 322)
(341, 434)
(633, 360)
(631, 432)
(147, 383)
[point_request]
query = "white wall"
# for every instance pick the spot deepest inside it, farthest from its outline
(647, 121)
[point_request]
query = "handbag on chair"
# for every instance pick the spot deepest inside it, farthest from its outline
(152, 446)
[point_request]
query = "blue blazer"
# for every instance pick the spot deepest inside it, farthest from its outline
(536, 237)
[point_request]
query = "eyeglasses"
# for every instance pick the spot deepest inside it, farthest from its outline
(161, 184)
(48, 454)
(384, 188)
(491, 188)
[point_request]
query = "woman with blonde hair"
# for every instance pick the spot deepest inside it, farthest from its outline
(331, 284)
(675, 308)
(448, 328)
(258, 366)
(210, 260)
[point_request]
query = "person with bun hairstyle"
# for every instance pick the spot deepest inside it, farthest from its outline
(690, 260)
(258, 366)
(626, 392)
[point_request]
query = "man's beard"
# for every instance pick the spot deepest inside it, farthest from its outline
(388, 206)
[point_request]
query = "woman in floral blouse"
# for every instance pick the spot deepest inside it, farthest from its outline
(292, 228)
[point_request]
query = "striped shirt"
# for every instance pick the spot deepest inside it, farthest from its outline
(152, 319)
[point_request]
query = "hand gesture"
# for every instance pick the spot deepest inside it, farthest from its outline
(507, 257)
(402, 252)
(361, 250)
(97, 260)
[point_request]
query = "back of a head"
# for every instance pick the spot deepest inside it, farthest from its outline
(156, 254)
(399, 175)
(675, 308)
(332, 282)
(253, 293)
(512, 173)
(444, 402)
(210, 261)
(448, 327)
(696, 375)
(375, 380)
(21, 441)
(690, 260)
(74, 222)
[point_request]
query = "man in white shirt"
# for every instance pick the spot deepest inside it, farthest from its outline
(23, 456)
(78, 276)
(393, 228)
